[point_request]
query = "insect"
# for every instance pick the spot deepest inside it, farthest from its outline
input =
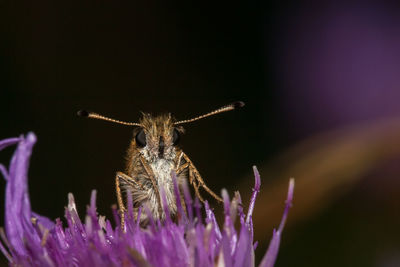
(152, 155)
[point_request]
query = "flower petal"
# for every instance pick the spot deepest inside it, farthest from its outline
(9, 142)
(273, 248)
(192, 241)
(18, 210)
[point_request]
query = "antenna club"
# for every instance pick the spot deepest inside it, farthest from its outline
(83, 113)
(238, 104)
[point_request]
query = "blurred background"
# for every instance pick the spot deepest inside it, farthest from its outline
(321, 86)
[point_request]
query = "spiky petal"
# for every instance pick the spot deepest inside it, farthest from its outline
(34, 240)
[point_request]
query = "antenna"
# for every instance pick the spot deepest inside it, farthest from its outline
(234, 105)
(84, 113)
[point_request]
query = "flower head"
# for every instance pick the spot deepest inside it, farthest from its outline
(34, 240)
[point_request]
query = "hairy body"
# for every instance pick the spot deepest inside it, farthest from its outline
(151, 157)
(148, 168)
(143, 163)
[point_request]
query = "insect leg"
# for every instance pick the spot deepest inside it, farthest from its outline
(197, 191)
(120, 202)
(180, 189)
(150, 174)
(178, 171)
(182, 168)
(199, 180)
(126, 179)
(183, 203)
(178, 162)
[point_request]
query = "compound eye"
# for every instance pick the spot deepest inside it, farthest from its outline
(176, 136)
(140, 138)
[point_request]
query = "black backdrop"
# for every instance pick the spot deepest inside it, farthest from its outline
(118, 58)
(122, 57)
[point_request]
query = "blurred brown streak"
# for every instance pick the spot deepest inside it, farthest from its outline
(325, 167)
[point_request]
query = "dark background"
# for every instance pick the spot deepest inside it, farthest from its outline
(303, 69)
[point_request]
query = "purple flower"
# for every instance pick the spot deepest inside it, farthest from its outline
(34, 240)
